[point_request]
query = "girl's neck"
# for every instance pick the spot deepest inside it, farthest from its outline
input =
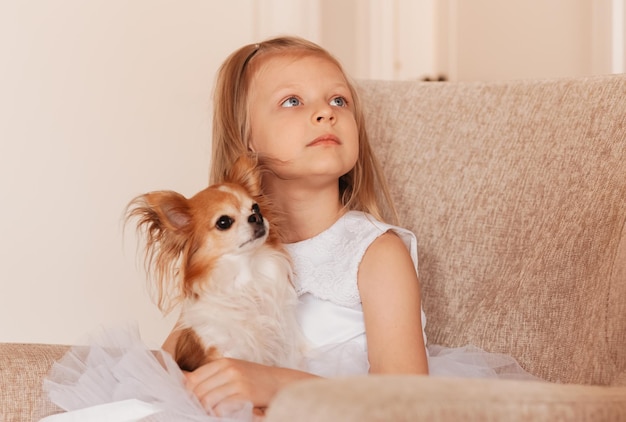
(306, 212)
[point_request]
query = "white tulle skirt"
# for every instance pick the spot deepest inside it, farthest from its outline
(473, 362)
(117, 378)
(350, 359)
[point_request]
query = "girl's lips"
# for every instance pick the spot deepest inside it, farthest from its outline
(325, 140)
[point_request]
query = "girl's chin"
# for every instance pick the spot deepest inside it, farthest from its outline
(313, 168)
(320, 171)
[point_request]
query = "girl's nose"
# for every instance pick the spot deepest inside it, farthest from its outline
(325, 115)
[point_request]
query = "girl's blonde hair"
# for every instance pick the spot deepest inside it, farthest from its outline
(362, 188)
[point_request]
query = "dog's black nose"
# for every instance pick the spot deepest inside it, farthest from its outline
(256, 217)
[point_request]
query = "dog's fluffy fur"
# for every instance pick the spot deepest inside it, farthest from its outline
(216, 256)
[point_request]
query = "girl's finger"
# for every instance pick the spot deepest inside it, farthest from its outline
(231, 407)
(216, 398)
(200, 375)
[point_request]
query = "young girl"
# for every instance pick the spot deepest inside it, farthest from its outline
(289, 101)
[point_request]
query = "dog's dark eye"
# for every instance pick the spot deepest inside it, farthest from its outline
(224, 222)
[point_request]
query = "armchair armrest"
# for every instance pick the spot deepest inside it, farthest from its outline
(411, 398)
(22, 370)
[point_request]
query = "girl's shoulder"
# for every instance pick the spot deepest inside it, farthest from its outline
(327, 265)
(360, 221)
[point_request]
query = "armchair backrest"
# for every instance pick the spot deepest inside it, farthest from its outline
(517, 194)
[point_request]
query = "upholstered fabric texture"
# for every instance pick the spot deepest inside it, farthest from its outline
(22, 369)
(417, 398)
(517, 195)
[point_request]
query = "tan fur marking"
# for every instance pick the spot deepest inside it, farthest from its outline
(190, 354)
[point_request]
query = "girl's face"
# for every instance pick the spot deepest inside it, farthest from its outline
(302, 118)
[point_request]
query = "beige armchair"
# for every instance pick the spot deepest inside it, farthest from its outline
(517, 194)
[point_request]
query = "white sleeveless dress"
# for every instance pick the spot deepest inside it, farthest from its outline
(331, 315)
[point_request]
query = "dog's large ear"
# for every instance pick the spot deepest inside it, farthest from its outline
(165, 211)
(164, 218)
(172, 208)
(246, 172)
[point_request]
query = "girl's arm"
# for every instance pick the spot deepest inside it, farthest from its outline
(391, 299)
(226, 380)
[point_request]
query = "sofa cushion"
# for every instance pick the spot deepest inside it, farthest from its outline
(517, 194)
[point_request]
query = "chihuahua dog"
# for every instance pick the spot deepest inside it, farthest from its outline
(216, 256)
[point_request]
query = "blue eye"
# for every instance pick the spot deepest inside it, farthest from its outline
(291, 102)
(339, 102)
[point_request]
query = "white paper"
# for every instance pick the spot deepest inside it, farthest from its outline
(121, 411)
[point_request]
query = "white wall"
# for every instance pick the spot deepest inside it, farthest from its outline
(499, 40)
(100, 100)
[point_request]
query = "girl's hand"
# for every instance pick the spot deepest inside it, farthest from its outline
(228, 381)
(225, 382)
